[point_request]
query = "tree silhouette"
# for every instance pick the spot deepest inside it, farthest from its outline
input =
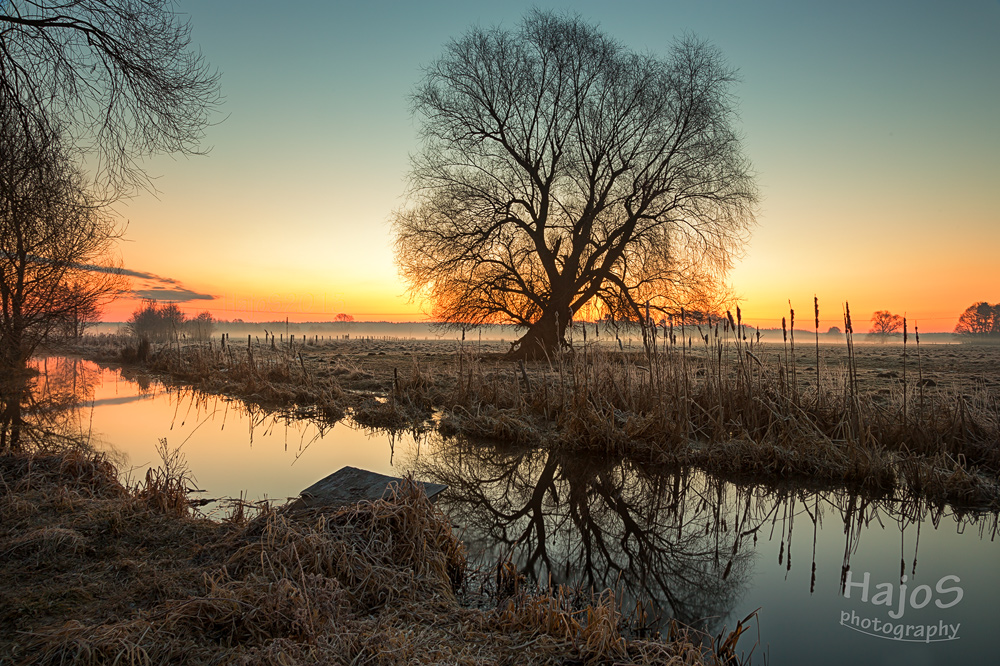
(980, 321)
(201, 326)
(116, 78)
(558, 169)
(156, 323)
(885, 325)
(56, 263)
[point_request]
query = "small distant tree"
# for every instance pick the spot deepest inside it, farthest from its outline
(85, 312)
(201, 327)
(834, 331)
(980, 321)
(885, 325)
(343, 317)
(156, 323)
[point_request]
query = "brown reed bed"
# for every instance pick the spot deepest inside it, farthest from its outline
(94, 571)
(265, 374)
(703, 394)
(713, 398)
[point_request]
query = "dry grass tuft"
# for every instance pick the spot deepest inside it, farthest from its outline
(388, 414)
(381, 552)
(118, 575)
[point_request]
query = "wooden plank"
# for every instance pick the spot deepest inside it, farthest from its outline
(350, 484)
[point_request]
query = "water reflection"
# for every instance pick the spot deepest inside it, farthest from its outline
(233, 448)
(15, 395)
(680, 539)
(571, 519)
(681, 543)
(38, 402)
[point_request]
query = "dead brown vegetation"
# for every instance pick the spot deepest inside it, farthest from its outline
(884, 419)
(269, 375)
(95, 571)
(733, 406)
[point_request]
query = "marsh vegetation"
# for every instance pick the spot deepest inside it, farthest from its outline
(97, 572)
(918, 421)
(678, 547)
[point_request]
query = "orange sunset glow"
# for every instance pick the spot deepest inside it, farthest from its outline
(873, 143)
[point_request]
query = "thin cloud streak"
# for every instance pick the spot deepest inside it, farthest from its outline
(156, 287)
(174, 295)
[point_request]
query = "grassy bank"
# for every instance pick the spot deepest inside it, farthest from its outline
(735, 410)
(95, 571)
(882, 419)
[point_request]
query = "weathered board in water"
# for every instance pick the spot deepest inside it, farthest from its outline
(350, 484)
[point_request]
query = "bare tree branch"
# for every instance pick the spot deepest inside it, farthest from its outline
(117, 79)
(56, 244)
(559, 169)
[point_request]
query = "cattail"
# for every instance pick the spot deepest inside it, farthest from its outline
(819, 394)
(791, 343)
(784, 331)
(904, 370)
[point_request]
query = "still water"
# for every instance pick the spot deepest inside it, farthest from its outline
(836, 578)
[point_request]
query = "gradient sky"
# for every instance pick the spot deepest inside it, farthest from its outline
(872, 127)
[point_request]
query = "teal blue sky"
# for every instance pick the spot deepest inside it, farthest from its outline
(872, 127)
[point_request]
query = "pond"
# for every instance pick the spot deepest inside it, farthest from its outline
(836, 578)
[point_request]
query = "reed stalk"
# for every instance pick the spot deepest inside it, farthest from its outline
(791, 343)
(819, 391)
(904, 372)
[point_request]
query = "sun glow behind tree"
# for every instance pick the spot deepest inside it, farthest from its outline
(560, 170)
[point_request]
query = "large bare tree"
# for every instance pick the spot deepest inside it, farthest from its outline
(885, 325)
(980, 321)
(559, 169)
(56, 243)
(118, 80)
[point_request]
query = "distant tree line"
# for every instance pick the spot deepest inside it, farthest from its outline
(166, 322)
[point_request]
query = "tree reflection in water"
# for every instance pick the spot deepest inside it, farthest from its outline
(678, 541)
(53, 400)
(40, 402)
(571, 519)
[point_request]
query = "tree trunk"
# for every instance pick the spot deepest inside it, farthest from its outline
(14, 390)
(543, 338)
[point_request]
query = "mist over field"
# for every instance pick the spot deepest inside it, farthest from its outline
(503, 332)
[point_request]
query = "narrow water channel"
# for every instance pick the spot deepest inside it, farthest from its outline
(835, 578)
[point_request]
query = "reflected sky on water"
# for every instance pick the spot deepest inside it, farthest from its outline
(675, 543)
